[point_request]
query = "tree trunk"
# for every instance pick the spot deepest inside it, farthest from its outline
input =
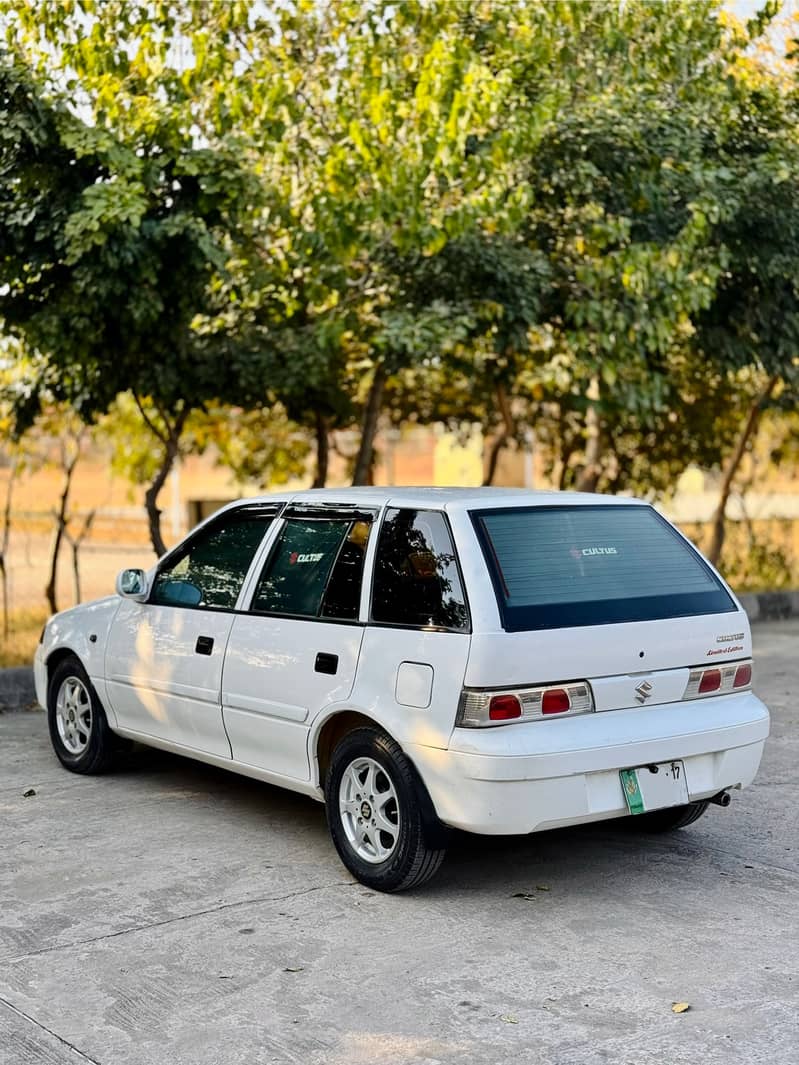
(591, 471)
(749, 427)
(364, 458)
(12, 473)
(68, 465)
(322, 451)
(75, 543)
(507, 433)
(171, 451)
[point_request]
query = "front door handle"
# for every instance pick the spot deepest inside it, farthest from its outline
(204, 645)
(326, 663)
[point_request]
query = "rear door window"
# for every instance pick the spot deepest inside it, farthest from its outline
(417, 581)
(314, 570)
(556, 567)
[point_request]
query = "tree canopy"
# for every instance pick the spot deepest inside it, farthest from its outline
(576, 216)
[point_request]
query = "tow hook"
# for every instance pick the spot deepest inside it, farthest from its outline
(722, 799)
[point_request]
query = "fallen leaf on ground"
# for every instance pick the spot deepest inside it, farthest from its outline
(542, 887)
(28, 792)
(508, 1019)
(523, 895)
(680, 1007)
(294, 969)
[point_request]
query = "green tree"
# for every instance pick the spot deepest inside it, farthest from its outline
(109, 252)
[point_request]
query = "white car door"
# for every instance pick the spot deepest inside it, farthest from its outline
(164, 657)
(295, 649)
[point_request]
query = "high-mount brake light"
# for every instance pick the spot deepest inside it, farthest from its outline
(718, 680)
(483, 709)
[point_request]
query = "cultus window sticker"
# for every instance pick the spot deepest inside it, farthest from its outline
(294, 557)
(579, 552)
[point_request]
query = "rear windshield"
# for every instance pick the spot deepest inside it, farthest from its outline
(557, 567)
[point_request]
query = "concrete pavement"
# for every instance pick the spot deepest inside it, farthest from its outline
(174, 914)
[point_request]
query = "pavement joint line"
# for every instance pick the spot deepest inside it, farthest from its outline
(174, 920)
(44, 1028)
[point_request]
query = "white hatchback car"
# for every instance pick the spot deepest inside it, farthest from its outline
(492, 660)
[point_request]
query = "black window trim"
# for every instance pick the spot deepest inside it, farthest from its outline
(266, 510)
(513, 618)
(467, 629)
(314, 512)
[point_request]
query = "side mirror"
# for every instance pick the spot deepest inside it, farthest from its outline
(132, 584)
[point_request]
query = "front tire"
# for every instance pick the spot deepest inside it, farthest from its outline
(671, 818)
(375, 815)
(79, 730)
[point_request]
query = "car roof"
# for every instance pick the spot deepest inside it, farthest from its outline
(442, 498)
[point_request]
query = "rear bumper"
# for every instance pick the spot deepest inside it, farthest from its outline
(526, 778)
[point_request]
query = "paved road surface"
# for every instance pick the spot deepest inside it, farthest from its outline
(173, 914)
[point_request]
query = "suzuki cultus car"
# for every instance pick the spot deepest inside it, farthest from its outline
(490, 660)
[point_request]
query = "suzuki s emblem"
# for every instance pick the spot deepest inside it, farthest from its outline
(643, 691)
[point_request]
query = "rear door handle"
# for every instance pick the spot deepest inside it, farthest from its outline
(326, 663)
(204, 645)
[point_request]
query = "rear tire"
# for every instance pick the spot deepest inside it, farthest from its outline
(671, 818)
(376, 816)
(79, 730)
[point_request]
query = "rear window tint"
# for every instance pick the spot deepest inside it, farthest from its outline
(557, 567)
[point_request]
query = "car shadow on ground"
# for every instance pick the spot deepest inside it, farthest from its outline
(609, 851)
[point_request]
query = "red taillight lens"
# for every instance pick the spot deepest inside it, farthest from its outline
(710, 682)
(743, 676)
(504, 708)
(555, 701)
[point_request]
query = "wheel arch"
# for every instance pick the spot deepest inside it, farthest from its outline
(338, 725)
(56, 657)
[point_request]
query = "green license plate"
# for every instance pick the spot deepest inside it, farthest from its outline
(632, 790)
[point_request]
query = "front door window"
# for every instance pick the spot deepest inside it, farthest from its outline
(209, 570)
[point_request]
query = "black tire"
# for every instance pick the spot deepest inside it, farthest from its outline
(416, 853)
(671, 818)
(101, 744)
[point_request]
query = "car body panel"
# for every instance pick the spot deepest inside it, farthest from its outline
(545, 774)
(83, 630)
(158, 684)
(638, 647)
(272, 691)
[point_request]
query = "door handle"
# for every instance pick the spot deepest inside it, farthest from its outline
(326, 663)
(204, 645)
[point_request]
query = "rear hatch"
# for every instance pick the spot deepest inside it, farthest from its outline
(607, 593)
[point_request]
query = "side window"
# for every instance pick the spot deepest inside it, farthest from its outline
(315, 569)
(416, 580)
(343, 596)
(210, 570)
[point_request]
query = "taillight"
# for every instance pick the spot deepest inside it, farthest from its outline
(718, 680)
(504, 708)
(555, 701)
(743, 676)
(481, 709)
(710, 682)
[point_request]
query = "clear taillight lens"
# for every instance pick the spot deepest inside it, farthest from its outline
(719, 680)
(483, 709)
